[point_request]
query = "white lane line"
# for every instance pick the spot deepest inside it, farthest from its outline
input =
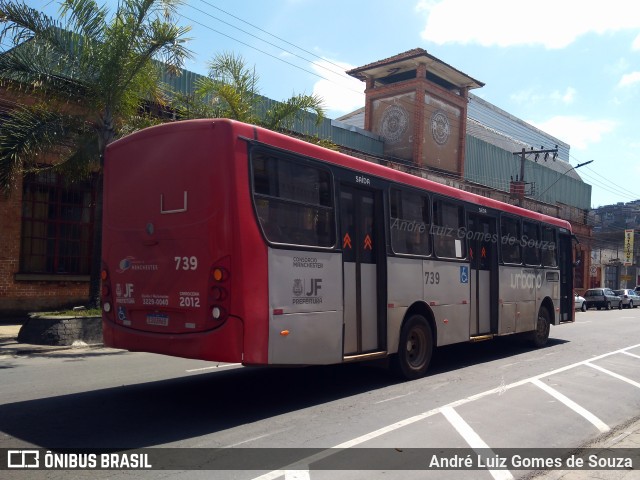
(473, 439)
(393, 398)
(599, 424)
(348, 444)
(613, 374)
(416, 418)
(631, 354)
(253, 439)
(215, 367)
(297, 475)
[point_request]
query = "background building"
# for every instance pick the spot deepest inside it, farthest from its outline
(419, 116)
(610, 266)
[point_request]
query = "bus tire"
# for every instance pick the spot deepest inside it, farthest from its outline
(414, 350)
(540, 335)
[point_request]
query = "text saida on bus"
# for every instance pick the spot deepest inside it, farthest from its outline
(228, 242)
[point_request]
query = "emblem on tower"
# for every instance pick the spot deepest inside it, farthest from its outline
(394, 124)
(440, 128)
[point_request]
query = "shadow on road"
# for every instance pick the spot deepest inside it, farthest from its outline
(149, 414)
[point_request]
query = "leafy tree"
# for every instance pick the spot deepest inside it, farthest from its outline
(231, 91)
(90, 71)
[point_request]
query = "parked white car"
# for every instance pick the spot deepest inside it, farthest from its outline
(579, 302)
(630, 299)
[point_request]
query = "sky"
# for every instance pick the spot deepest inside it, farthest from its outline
(568, 67)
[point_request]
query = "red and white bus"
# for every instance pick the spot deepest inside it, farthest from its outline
(228, 242)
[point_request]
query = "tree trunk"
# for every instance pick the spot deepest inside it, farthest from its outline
(96, 248)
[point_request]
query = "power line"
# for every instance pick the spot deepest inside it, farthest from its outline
(313, 62)
(274, 36)
(253, 47)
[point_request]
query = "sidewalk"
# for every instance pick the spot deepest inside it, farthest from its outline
(9, 345)
(626, 436)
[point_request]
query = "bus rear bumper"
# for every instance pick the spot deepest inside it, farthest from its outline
(224, 344)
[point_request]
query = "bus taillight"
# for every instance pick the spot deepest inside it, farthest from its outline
(106, 291)
(218, 292)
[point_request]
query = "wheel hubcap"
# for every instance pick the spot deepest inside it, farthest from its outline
(416, 348)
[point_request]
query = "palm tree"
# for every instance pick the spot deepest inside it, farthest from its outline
(231, 91)
(91, 72)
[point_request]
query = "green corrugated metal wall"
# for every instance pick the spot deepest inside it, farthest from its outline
(489, 165)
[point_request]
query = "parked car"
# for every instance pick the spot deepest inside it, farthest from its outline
(579, 302)
(602, 298)
(630, 299)
(638, 289)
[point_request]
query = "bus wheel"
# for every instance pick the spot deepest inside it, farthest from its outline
(415, 348)
(540, 335)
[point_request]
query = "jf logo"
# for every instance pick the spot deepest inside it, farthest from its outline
(314, 287)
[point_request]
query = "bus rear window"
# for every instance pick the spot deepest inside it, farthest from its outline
(293, 200)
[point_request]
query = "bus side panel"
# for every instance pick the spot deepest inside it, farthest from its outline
(404, 288)
(515, 299)
(551, 288)
(447, 288)
(305, 298)
(522, 291)
(444, 286)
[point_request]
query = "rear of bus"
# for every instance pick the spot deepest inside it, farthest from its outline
(177, 219)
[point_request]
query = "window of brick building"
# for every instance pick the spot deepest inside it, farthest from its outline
(57, 225)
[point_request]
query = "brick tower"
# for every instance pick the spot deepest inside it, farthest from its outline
(418, 104)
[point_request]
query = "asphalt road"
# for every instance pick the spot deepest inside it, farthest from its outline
(490, 395)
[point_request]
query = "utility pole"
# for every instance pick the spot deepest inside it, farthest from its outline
(518, 187)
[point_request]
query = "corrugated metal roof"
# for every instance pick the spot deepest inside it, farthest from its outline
(407, 61)
(494, 167)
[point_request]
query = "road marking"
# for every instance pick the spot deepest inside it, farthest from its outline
(215, 367)
(473, 440)
(393, 398)
(599, 424)
(421, 416)
(257, 438)
(614, 375)
(297, 475)
(631, 354)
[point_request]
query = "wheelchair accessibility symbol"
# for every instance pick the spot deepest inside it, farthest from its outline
(464, 274)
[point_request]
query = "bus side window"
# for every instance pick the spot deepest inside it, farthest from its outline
(510, 241)
(531, 242)
(548, 247)
(409, 223)
(294, 201)
(448, 221)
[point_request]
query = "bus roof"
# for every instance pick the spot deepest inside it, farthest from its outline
(381, 171)
(317, 152)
